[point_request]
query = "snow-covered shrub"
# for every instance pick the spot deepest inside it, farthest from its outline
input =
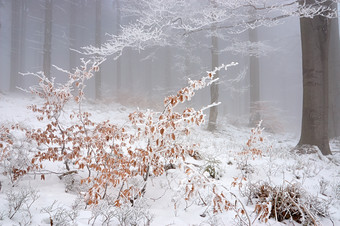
(212, 166)
(59, 215)
(126, 214)
(20, 202)
(323, 185)
(286, 202)
(113, 156)
(255, 147)
(336, 190)
(15, 152)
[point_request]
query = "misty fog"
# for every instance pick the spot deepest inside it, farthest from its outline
(147, 76)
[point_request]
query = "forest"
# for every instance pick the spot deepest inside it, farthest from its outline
(169, 112)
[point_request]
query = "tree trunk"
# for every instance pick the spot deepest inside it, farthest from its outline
(15, 44)
(214, 93)
(254, 78)
(334, 80)
(23, 18)
(48, 38)
(315, 44)
(119, 60)
(72, 34)
(98, 76)
(167, 69)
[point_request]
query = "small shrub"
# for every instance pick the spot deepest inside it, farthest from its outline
(286, 202)
(20, 201)
(212, 166)
(61, 216)
(255, 147)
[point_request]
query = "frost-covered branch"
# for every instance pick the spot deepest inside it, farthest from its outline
(167, 22)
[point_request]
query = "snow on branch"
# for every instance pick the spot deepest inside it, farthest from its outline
(166, 22)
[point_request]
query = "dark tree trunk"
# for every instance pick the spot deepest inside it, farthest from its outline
(15, 44)
(315, 45)
(98, 76)
(254, 78)
(334, 80)
(214, 88)
(48, 38)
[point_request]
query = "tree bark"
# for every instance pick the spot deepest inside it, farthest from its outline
(98, 76)
(334, 80)
(254, 78)
(214, 88)
(167, 69)
(23, 18)
(119, 60)
(48, 38)
(15, 44)
(72, 34)
(315, 46)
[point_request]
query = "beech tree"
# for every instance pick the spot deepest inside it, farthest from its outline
(334, 79)
(315, 35)
(98, 77)
(47, 48)
(118, 62)
(72, 33)
(15, 43)
(165, 23)
(254, 76)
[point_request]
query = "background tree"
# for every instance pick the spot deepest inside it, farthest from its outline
(73, 11)
(98, 77)
(23, 18)
(47, 49)
(214, 88)
(315, 34)
(163, 23)
(254, 77)
(15, 43)
(118, 61)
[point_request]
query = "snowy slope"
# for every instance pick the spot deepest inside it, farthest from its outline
(316, 174)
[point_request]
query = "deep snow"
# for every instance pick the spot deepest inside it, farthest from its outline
(277, 166)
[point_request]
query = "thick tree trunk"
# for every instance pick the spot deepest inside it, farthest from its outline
(214, 88)
(315, 44)
(254, 78)
(98, 76)
(334, 80)
(47, 38)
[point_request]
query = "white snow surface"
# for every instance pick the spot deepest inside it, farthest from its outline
(278, 166)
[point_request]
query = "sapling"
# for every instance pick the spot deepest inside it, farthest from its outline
(21, 200)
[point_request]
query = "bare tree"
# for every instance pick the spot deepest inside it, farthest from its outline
(315, 34)
(98, 77)
(47, 49)
(15, 44)
(254, 77)
(73, 10)
(119, 60)
(214, 88)
(166, 22)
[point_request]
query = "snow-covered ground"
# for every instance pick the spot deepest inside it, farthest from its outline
(317, 175)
